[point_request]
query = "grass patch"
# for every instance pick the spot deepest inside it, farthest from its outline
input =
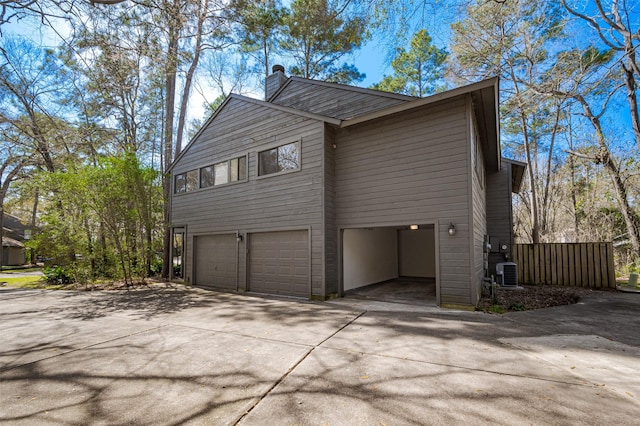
(40, 283)
(25, 282)
(19, 269)
(496, 309)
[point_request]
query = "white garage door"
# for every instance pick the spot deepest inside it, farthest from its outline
(279, 263)
(216, 261)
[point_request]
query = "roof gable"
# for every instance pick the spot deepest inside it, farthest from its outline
(13, 226)
(345, 106)
(334, 100)
(485, 98)
(239, 98)
(10, 242)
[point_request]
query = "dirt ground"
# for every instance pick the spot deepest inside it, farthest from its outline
(530, 297)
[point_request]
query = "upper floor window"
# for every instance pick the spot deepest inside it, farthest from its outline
(279, 159)
(238, 169)
(233, 170)
(221, 172)
(207, 178)
(187, 181)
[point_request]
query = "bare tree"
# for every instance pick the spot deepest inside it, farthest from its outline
(11, 10)
(512, 40)
(583, 76)
(614, 27)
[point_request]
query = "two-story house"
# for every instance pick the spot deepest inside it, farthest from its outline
(323, 188)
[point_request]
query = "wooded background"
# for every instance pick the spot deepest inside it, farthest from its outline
(96, 100)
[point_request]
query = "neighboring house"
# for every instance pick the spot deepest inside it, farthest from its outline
(314, 192)
(13, 236)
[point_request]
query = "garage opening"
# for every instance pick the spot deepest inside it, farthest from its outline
(390, 263)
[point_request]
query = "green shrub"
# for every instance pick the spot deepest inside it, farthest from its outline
(517, 306)
(57, 275)
(156, 266)
(177, 271)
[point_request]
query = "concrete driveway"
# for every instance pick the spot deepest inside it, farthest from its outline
(169, 356)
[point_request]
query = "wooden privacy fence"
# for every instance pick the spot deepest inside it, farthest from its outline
(566, 264)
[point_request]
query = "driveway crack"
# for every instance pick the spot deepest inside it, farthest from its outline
(293, 367)
(82, 348)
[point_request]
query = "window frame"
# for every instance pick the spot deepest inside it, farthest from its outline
(211, 178)
(184, 188)
(221, 166)
(194, 182)
(246, 168)
(297, 142)
(228, 163)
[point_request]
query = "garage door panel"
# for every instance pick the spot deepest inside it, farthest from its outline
(216, 261)
(279, 263)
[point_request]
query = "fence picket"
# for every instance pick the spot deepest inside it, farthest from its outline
(597, 282)
(566, 264)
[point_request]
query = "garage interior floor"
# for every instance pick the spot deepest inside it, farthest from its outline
(416, 291)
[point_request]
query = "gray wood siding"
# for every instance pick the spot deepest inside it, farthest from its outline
(412, 169)
(499, 212)
(479, 212)
(288, 201)
(331, 231)
(336, 102)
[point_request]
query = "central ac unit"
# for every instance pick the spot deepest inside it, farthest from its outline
(507, 274)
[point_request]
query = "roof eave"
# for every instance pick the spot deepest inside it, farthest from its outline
(420, 102)
(486, 109)
(200, 130)
(517, 174)
(349, 88)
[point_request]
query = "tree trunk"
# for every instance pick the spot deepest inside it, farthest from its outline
(170, 89)
(266, 60)
(605, 157)
(630, 218)
(535, 223)
(189, 78)
(630, 83)
(103, 248)
(32, 223)
(574, 190)
(90, 247)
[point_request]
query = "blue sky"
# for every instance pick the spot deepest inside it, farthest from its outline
(373, 58)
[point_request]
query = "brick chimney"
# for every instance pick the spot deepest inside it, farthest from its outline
(274, 81)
